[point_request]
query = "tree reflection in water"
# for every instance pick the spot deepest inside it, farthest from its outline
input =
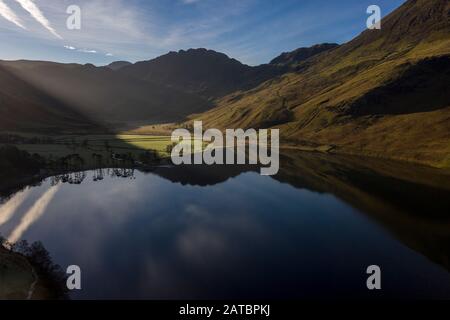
(98, 175)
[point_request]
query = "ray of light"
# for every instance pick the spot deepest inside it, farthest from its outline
(8, 210)
(33, 214)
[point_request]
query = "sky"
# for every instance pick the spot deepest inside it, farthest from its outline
(252, 31)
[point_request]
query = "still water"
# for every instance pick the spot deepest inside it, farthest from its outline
(206, 233)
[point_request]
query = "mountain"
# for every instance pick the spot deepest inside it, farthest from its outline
(166, 89)
(117, 65)
(203, 72)
(302, 54)
(383, 94)
(102, 94)
(212, 74)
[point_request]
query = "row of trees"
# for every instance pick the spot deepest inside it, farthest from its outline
(50, 274)
(14, 161)
(7, 138)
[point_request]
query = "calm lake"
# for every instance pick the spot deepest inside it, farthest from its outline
(227, 232)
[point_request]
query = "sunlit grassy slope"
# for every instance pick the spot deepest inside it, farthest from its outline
(386, 93)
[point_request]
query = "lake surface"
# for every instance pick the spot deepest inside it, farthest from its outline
(227, 232)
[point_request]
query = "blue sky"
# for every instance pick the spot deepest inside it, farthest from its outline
(252, 31)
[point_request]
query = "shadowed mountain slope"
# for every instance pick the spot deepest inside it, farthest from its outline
(117, 65)
(302, 54)
(103, 94)
(25, 107)
(207, 73)
(169, 88)
(212, 74)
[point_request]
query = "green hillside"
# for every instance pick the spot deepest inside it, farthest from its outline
(385, 93)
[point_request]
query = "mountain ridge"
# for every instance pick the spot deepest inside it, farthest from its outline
(318, 103)
(117, 65)
(301, 54)
(110, 93)
(213, 74)
(204, 72)
(105, 95)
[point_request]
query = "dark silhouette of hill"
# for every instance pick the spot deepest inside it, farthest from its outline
(101, 93)
(212, 74)
(302, 54)
(117, 65)
(202, 175)
(23, 106)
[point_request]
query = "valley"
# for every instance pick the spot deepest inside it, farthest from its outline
(378, 95)
(361, 175)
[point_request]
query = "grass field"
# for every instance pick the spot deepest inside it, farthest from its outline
(91, 148)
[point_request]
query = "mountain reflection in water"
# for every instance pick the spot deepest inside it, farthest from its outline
(227, 232)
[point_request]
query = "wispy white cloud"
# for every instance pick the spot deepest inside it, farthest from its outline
(9, 15)
(132, 31)
(189, 1)
(37, 14)
(87, 51)
(249, 30)
(84, 50)
(109, 26)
